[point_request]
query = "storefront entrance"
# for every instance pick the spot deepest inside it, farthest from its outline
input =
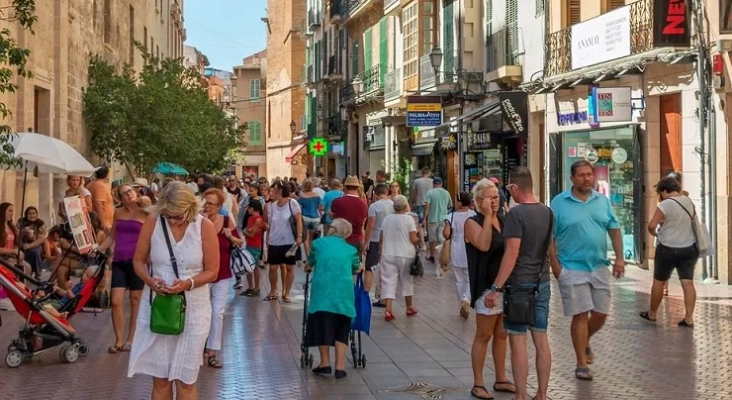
(616, 155)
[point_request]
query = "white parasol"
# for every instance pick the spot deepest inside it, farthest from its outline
(49, 155)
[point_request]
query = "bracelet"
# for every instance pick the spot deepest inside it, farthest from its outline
(193, 284)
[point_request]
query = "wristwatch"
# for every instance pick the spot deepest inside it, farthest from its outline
(496, 289)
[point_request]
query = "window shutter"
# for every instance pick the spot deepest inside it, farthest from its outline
(354, 58)
(448, 36)
(512, 29)
(613, 4)
(488, 17)
(367, 41)
(383, 50)
(574, 12)
(539, 8)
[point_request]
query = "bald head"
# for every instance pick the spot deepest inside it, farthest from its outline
(335, 184)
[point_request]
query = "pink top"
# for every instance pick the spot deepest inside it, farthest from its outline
(10, 241)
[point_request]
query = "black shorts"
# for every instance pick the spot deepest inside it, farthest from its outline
(277, 255)
(124, 276)
(372, 256)
(681, 259)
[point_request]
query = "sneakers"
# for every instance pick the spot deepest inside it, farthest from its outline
(6, 305)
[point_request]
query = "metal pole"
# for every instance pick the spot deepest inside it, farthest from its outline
(459, 138)
(22, 203)
(703, 111)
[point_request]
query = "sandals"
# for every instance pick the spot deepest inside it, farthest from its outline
(127, 347)
(119, 349)
(503, 389)
(286, 299)
(271, 297)
(477, 396)
(683, 323)
(583, 374)
(389, 316)
(411, 311)
(645, 315)
(214, 363)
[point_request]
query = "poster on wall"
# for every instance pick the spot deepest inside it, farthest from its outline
(671, 26)
(81, 226)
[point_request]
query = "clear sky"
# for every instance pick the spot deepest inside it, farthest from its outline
(225, 30)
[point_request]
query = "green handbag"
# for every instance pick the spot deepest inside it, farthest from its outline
(168, 311)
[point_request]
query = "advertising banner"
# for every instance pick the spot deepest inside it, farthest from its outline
(601, 39)
(671, 27)
(515, 111)
(424, 111)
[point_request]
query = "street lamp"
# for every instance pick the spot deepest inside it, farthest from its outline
(357, 85)
(436, 59)
(292, 127)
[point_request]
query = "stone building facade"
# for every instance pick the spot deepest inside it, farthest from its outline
(249, 102)
(51, 102)
(286, 92)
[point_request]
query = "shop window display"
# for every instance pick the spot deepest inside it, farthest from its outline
(613, 154)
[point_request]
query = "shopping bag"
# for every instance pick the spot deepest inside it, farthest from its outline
(362, 321)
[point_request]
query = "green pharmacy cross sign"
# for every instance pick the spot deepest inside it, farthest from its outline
(318, 147)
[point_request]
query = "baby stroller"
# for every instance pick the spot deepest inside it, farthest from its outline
(45, 328)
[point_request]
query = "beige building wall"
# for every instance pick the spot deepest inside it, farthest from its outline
(50, 102)
(285, 92)
(249, 110)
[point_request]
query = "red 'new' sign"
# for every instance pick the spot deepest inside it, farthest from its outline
(671, 23)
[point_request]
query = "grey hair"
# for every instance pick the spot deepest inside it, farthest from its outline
(341, 228)
(400, 203)
(482, 185)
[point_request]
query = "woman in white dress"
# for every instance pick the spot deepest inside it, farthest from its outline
(175, 359)
(455, 230)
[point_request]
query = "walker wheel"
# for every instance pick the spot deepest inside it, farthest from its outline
(363, 361)
(310, 361)
(14, 358)
(302, 361)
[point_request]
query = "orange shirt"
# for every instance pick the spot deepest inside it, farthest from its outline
(102, 201)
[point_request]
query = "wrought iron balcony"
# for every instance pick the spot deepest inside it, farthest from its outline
(314, 18)
(393, 85)
(349, 6)
(502, 48)
(336, 128)
(335, 11)
(558, 46)
(334, 68)
(371, 86)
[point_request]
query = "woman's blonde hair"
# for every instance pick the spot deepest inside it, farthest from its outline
(479, 187)
(177, 199)
(341, 228)
(307, 185)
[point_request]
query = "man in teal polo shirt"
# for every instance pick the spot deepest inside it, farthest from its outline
(583, 220)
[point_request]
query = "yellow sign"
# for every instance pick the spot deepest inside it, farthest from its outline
(424, 107)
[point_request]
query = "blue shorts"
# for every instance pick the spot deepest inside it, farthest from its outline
(541, 315)
(420, 212)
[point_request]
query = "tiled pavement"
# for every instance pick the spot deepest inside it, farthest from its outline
(634, 359)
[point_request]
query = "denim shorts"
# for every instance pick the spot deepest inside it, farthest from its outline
(541, 322)
(420, 212)
(310, 224)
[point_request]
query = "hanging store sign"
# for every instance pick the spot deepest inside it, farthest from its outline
(515, 111)
(611, 104)
(424, 111)
(671, 25)
(601, 39)
(318, 147)
(572, 118)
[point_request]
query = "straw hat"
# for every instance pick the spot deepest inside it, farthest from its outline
(352, 181)
(140, 182)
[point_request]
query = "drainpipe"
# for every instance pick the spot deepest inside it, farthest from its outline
(459, 136)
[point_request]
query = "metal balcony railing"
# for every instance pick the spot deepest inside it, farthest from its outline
(372, 80)
(371, 86)
(314, 18)
(347, 94)
(502, 47)
(349, 6)
(393, 84)
(558, 46)
(335, 126)
(335, 10)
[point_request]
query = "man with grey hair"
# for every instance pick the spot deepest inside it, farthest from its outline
(341, 228)
(317, 189)
(378, 210)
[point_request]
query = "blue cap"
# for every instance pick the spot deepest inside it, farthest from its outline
(437, 180)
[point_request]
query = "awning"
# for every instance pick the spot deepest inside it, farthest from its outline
(294, 152)
(424, 148)
(482, 112)
(607, 70)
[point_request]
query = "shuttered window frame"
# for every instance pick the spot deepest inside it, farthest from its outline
(255, 133)
(383, 50)
(571, 13)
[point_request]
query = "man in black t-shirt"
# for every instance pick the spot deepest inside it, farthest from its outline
(368, 184)
(234, 189)
(527, 232)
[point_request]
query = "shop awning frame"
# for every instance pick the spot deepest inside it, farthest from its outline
(608, 70)
(423, 148)
(294, 152)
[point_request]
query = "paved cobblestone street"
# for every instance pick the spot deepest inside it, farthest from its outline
(633, 359)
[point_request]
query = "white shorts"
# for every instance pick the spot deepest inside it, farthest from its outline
(584, 291)
(481, 309)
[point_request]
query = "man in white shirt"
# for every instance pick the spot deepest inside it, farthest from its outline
(378, 210)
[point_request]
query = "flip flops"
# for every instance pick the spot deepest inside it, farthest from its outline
(488, 397)
(583, 374)
(504, 390)
(645, 315)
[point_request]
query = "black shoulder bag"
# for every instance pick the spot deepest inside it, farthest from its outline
(168, 311)
(519, 303)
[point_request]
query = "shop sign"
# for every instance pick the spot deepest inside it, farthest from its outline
(591, 156)
(611, 104)
(424, 111)
(619, 155)
(515, 111)
(671, 26)
(449, 142)
(601, 39)
(318, 147)
(573, 118)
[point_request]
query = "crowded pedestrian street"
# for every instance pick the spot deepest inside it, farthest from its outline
(431, 352)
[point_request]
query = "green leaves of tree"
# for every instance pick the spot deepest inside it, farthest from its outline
(13, 59)
(161, 115)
